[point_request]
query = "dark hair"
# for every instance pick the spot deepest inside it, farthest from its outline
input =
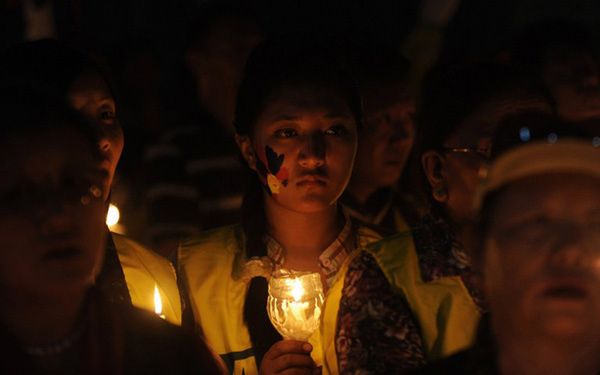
(376, 66)
(27, 111)
(47, 65)
(289, 60)
(206, 17)
(531, 46)
(520, 129)
(450, 94)
(279, 63)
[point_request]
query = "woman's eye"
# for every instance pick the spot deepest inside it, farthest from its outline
(108, 116)
(286, 133)
(337, 130)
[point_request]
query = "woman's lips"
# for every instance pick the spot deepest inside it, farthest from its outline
(312, 180)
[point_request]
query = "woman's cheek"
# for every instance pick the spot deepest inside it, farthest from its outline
(271, 169)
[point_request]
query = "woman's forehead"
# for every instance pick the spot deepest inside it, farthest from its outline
(90, 84)
(292, 103)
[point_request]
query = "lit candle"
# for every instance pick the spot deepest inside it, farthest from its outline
(112, 215)
(294, 303)
(113, 218)
(158, 308)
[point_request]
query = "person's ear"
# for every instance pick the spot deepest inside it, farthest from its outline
(247, 150)
(434, 167)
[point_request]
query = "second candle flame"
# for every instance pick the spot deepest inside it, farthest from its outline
(158, 307)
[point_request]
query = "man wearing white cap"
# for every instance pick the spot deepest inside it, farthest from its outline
(539, 255)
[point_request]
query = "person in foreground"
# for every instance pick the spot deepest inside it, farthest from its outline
(131, 273)
(53, 319)
(296, 121)
(539, 257)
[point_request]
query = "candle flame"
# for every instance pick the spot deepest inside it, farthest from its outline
(158, 307)
(297, 290)
(294, 303)
(113, 215)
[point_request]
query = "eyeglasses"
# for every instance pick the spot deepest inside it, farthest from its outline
(484, 154)
(34, 198)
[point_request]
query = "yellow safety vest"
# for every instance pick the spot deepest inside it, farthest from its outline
(445, 312)
(211, 265)
(143, 270)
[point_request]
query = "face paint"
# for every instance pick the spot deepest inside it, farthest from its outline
(272, 173)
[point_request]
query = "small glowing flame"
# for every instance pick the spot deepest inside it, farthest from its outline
(294, 303)
(113, 215)
(158, 307)
(297, 290)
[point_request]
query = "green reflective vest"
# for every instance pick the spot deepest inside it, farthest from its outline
(143, 270)
(443, 308)
(211, 265)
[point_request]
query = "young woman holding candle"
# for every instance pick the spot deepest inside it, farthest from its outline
(131, 272)
(53, 319)
(296, 121)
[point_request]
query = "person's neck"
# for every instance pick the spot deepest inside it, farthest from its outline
(543, 355)
(37, 321)
(303, 235)
(360, 191)
(464, 235)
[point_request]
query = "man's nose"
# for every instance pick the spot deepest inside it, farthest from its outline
(56, 217)
(570, 249)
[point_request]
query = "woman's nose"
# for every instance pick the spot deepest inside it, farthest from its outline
(312, 154)
(104, 144)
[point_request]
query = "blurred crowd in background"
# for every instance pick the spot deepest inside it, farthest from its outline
(176, 65)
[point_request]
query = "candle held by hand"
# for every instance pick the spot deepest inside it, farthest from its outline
(295, 303)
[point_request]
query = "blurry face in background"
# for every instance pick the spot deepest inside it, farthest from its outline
(541, 261)
(218, 64)
(304, 144)
(90, 95)
(574, 79)
(385, 141)
(460, 170)
(51, 216)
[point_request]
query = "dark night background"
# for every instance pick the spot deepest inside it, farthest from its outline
(142, 41)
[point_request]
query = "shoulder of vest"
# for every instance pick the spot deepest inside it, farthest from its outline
(366, 233)
(396, 256)
(137, 253)
(392, 243)
(214, 248)
(220, 240)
